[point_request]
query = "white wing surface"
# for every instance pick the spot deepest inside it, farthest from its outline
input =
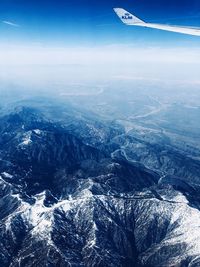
(129, 19)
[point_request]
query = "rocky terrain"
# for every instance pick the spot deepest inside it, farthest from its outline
(78, 189)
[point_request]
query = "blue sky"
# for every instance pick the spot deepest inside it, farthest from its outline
(88, 33)
(93, 23)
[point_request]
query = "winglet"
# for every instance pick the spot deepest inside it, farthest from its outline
(127, 18)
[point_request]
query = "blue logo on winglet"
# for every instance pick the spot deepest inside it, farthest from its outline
(127, 16)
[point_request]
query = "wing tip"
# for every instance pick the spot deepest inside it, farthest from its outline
(127, 17)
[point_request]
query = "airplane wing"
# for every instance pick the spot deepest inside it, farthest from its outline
(129, 19)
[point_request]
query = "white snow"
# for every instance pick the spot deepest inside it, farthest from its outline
(178, 198)
(93, 239)
(37, 131)
(8, 224)
(7, 175)
(86, 193)
(41, 217)
(2, 183)
(26, 139)
(188, 230)
(184, 227)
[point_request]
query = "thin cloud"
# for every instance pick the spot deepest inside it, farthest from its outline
(10, 23)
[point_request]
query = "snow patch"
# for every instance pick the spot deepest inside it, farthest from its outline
(86, 193)
(188, 231)
(41, 217)
(178, 197)
(37, 131)
(26, 139)
(3, 183)
(93, 239)
(7, 175)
